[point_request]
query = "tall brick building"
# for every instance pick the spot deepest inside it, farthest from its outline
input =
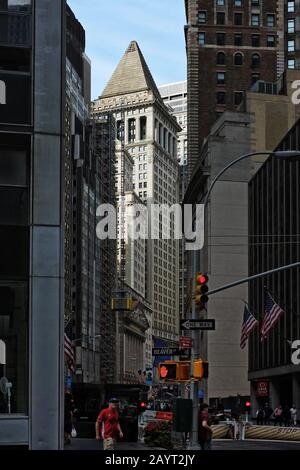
(230, 45)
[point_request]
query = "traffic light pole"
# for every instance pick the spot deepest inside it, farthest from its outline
(194, 384)
(251, 278)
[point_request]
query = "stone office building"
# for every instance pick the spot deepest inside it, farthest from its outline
(150, 136)
(33, 63)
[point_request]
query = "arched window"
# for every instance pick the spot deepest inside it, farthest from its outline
(255, 60)
(238, 59)
(221, 59)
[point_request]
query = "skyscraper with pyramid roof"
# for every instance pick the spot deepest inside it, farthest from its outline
(150, 136)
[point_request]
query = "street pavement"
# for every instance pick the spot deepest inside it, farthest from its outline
(218, 444)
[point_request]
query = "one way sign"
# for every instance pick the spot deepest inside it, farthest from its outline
(197, 324)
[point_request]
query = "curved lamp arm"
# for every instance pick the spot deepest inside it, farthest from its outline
(242, 157)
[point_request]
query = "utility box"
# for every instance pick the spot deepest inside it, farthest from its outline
(183, 415)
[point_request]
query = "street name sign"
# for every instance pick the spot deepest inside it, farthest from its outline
(170, 352)
(197, 324)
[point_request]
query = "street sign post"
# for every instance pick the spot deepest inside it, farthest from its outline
(197, 324)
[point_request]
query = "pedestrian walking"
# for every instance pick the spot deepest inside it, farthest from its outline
(204, 429)
(293, 412)
(278, 415)
(260, 416)
(268, 413)
(68, 417)
(107, 425)
(286, 416)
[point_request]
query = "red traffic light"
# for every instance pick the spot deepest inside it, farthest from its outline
(248, 404)
(202, 279)
(143, 404)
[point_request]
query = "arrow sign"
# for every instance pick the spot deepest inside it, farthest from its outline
(170, 352)
(197, 324)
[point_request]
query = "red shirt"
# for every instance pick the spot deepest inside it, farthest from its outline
(203, 433)
(110, 419)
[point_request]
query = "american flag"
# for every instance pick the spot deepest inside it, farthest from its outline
(69, 349)
(272, 313)
(249, 324)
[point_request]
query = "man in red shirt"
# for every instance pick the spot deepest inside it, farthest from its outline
(108, 419)
(204, 429)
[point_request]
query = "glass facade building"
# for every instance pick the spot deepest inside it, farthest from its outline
(274, 240)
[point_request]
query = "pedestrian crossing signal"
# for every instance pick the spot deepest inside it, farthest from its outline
(167, 370)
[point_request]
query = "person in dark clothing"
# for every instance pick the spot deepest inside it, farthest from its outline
(286, 416)
(268, 413)
(69, 409)
(278, 415)
(260, 415)
(204, 428)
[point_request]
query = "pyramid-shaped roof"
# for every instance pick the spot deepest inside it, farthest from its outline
(131, 75)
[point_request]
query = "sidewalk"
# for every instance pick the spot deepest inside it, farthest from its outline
(92, 444)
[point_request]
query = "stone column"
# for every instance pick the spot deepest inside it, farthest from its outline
(47, 237)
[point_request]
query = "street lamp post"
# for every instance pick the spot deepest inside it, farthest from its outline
(282, 155)
(286, 154)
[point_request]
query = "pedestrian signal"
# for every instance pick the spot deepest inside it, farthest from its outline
(167, 370)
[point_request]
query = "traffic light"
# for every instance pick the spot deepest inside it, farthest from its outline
(200, 370)
(167, 370)
(247, 407)
(142, 406)
(183, 370)
(201, 289)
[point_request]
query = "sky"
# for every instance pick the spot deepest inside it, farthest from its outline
(110, 25)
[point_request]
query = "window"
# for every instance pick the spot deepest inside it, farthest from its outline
(255, 3)
(131, 130)
(201, 39)
(291, 63)
(255, 20)
(221, 59)
(291, 45)
(291, 26)
(271, 40)
(202, 17)
(16, 5)
(255, 42)
(237, 3)
(238, 59)
(255, 77)
(221, 97)
(291, 7)
(238, 39)
(221, 3)
(221, 39)
(220, 78)
(13, 344)
(220, 18)
(143, 127)
(238, 18)
(271, 21)
(255, 60)
(238, 97)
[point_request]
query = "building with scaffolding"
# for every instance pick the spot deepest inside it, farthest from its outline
(148, 132)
